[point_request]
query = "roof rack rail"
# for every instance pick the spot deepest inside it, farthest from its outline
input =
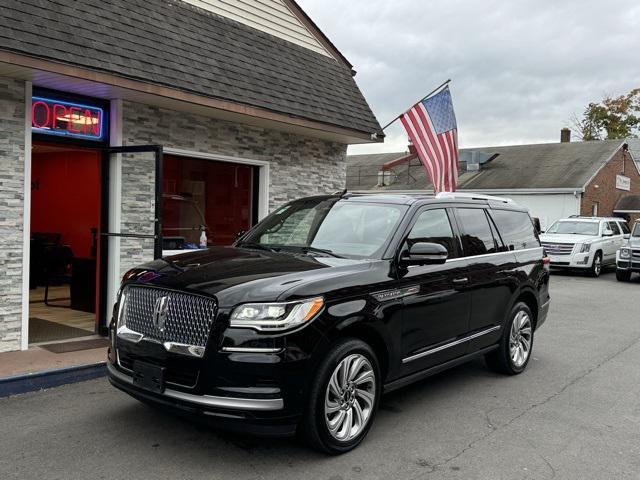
(474, 196)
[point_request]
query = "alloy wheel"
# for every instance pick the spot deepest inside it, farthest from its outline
(350, 397)
(520, 339)
(597, 265)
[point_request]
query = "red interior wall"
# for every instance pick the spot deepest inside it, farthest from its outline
(65, 196)
(227, 200)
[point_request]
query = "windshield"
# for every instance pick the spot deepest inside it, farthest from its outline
(574, 227)
(636, 230)
(328, 227)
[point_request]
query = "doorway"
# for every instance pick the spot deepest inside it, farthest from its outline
(66, 219)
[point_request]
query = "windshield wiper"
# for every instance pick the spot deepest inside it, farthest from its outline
(320, 250)
(257, 246)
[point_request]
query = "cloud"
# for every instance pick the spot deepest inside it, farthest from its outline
(519, 69)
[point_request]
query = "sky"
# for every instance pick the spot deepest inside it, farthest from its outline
(520, 69)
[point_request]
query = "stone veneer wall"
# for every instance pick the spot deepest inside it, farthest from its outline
(12, 105)
(299, 166)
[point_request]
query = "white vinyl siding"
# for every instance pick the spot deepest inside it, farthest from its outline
(270, 16)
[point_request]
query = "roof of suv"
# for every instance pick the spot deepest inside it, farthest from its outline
(592, 219)
(410, 199)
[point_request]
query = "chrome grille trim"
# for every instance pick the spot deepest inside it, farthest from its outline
(554, 248)
(186, 323)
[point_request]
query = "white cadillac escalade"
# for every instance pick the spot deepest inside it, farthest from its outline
(586, 243)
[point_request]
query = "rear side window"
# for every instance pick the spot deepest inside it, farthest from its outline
(477, 238)
(614, 228)
(625, 228)
(516, 229)
(433, 226)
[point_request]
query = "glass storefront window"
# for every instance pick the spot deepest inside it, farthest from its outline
(205, 195)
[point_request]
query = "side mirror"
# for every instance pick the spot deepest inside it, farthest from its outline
(626, 236)
(607, 232)
(425, 253)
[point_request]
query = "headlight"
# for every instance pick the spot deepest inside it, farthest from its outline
(275, 316)
(585, 247)
(625, 253)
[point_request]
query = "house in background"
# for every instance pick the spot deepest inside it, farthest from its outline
(553, 180)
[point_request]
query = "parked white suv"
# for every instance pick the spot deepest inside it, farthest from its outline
(584, 242)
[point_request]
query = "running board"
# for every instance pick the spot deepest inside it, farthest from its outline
(422, 374)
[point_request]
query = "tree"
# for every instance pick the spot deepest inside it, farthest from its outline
(612, 118)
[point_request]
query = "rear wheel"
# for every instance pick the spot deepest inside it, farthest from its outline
(623, 275)
(596, 266)
(513, 354)
(343, 399)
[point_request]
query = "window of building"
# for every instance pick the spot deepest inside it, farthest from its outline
(516, 229)
(208, 195)
(433, 226)
(477, 238)
(594, 209)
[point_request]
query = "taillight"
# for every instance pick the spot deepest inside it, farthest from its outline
(546, 261)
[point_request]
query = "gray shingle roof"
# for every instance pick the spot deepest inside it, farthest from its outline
(171, 43)
(628, 203)
(552, 165)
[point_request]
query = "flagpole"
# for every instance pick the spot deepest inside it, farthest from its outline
(422, 99)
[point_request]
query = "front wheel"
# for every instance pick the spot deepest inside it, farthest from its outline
(514, 351)
(623, 275)
(596, 266)
(344, 398)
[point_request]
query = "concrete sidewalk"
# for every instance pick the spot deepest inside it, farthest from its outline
(37, 368)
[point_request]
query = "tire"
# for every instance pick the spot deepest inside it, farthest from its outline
(504, 358)
(596, 266)
(328, 392)
(623, 275)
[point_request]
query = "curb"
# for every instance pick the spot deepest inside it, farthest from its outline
(31, 382)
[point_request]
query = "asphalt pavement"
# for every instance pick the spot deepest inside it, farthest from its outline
(574, 414)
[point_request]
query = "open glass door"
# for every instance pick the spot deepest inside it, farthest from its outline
(134, 210)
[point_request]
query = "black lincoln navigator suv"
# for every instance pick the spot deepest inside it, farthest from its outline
(328, 303)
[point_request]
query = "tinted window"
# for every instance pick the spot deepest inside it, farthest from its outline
(614, 228)
(433, 226)
(624, 227)
(516, 229)
(476, 231)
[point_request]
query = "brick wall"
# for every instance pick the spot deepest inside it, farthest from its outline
(602, 188)
(12, 106)
(299, 166)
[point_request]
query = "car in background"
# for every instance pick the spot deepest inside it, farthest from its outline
(584, 243)
(628, 256)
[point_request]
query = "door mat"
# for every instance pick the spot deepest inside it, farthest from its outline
(41, 330)
(76, 346)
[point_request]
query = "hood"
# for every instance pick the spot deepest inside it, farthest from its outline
(634, 242)
(238, 275)
(567, 238)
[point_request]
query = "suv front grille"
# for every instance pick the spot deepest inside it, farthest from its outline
(558, 248)
(188, 318)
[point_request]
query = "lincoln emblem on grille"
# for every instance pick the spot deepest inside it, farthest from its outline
(160, 313)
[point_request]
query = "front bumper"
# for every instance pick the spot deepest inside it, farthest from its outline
(630, 264)
(573, 260)
(261, 416)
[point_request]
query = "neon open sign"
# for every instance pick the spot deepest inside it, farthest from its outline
(68, 119)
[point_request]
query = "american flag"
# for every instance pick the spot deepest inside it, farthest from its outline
(431, 125)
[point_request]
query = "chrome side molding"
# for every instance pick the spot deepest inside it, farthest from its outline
(449, 345)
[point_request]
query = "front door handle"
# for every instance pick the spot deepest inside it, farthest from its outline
(460, 281)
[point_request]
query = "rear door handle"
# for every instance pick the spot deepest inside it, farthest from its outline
(460, 281)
